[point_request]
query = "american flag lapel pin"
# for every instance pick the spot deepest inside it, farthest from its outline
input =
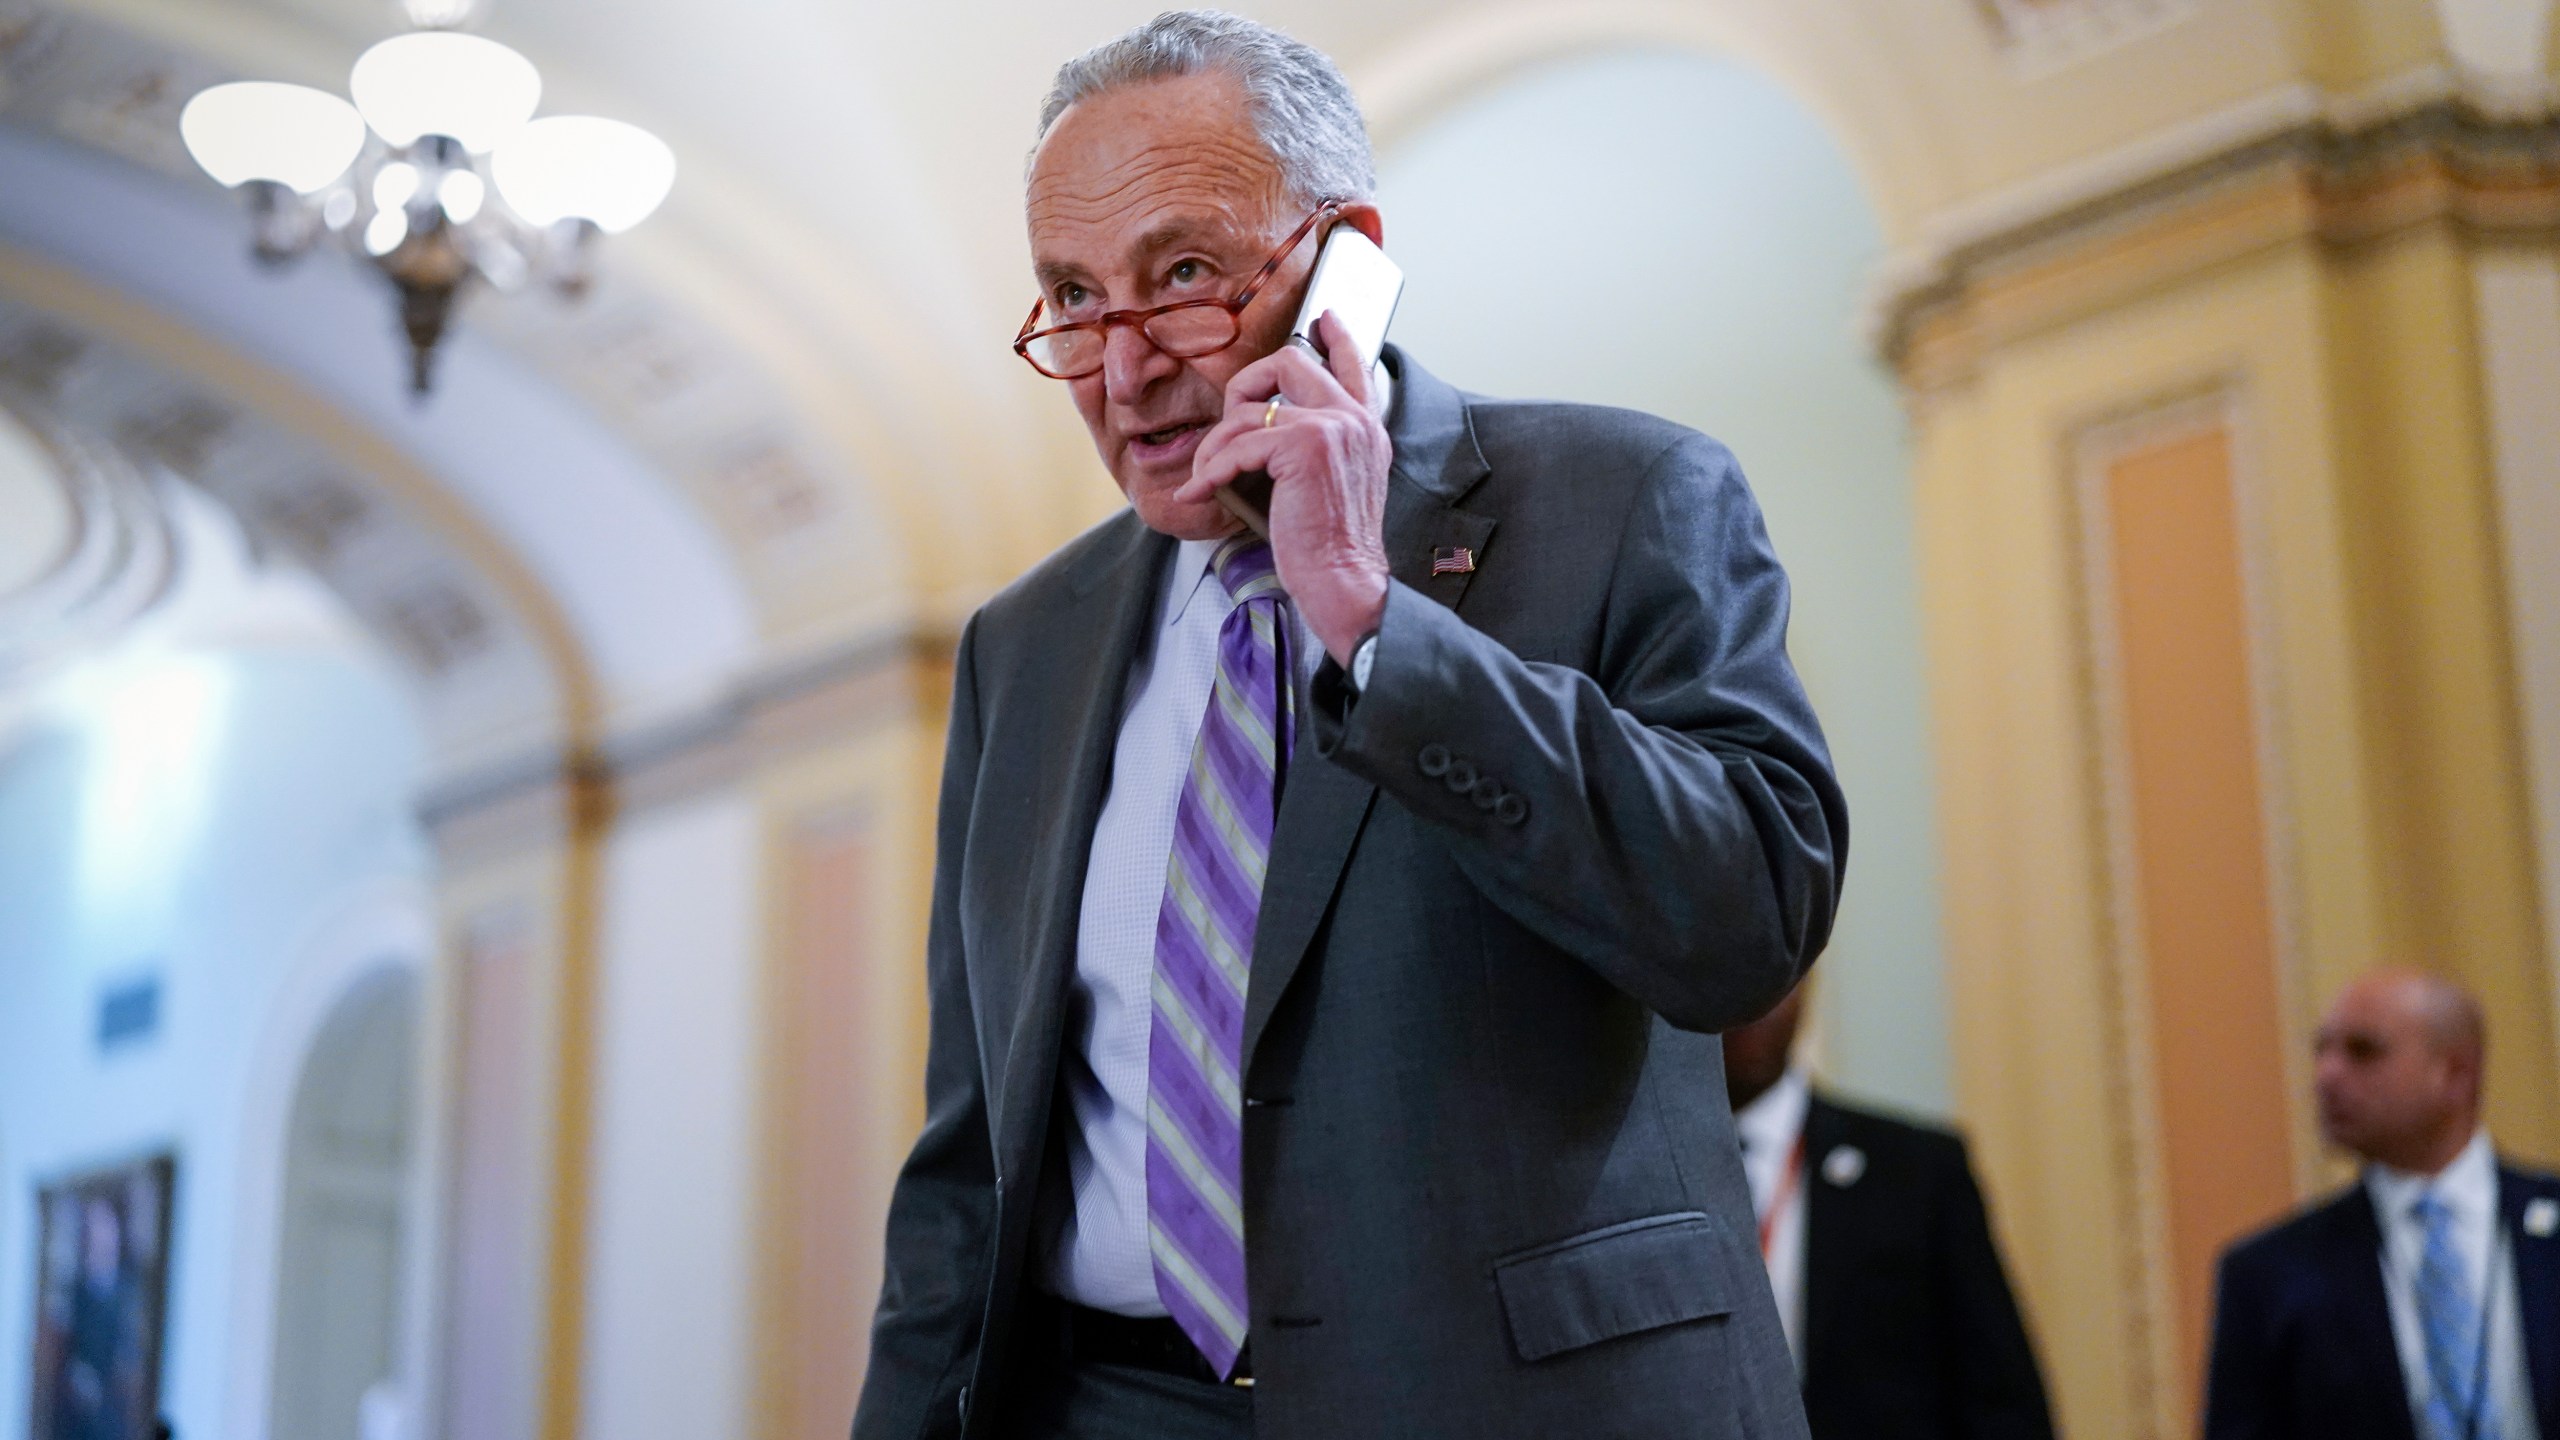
(1453, 560)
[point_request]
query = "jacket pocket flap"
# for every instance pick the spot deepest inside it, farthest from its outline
(1615, 1281)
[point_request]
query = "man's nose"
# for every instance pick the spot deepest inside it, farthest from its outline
(1131, 363)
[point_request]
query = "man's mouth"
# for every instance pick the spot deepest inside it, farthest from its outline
(1171, 434)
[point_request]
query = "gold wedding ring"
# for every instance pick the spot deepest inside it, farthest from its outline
(1270, 412)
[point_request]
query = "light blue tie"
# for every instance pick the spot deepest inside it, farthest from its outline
(2457, 1399)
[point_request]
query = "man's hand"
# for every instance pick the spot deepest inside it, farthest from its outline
(1327, 456)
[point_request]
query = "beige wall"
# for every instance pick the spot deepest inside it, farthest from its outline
(2346, 690)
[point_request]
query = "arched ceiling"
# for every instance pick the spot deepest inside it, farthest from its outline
(491, 685)
(847, 218)
(795, 379)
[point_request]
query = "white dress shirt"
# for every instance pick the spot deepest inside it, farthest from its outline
(1771, 1128)
(1101, 1256)
(2469, 1189)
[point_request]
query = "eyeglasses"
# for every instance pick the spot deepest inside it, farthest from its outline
(1184, 330)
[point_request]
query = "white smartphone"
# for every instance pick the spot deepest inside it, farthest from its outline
(1357, 282)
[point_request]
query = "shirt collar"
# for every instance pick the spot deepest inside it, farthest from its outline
(1190, 566)
(1769, 1124)
(2468, 1184)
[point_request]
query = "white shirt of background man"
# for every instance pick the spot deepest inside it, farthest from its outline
(1770, 1127)
(2469, 1189)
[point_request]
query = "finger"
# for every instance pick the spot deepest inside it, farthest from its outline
(1257, 382)
(1240, 420)
(1224, 433)
(1248, 452)
(1305, 381)
(1292, 371)
(1342, 357)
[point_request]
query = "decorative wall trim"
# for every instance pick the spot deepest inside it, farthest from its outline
(2286, 168)
(779, 711)
(2042, 36)
(2214, 407)
(2091, 450)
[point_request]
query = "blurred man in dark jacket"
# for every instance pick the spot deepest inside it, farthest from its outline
(1880, 1253)
(2423, 1301)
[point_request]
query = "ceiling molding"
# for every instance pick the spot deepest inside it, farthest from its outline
(2339, 175)
(2040, 37)
(785, 711)
(120, 552)
(496, 665)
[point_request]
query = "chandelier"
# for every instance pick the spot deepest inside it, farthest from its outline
(437, 173)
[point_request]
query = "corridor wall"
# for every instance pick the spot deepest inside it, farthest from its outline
(215, 810)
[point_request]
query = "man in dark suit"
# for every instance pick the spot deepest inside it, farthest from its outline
(1881, 1256)
(2423, 1301)
(1375, 1066)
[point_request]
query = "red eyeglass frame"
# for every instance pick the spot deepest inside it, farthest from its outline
(1234, 305)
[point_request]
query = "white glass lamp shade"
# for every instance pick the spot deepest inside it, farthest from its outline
(260, 130)
(581, 167)
(437, 82)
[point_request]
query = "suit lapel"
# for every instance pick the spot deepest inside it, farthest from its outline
(1089, 650)
(2537, 1269)
(1825, 1281)
(2364, 1312)
(1323, 805)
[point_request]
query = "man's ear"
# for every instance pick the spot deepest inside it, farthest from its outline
(1364, 217)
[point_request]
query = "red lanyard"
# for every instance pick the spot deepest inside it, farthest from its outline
(1788, 1180)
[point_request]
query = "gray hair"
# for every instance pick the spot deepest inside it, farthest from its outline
(1301, 108)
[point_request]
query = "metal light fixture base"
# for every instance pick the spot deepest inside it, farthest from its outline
(569, 256)
(283, 225)
(424, 311)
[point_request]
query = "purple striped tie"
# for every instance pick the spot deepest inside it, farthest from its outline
(1204, 942)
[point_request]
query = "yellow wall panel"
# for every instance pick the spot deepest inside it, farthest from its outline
(2444, 761)
(2199, 873)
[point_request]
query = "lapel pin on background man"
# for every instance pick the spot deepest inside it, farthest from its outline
(2422, 1302)
(1329, 935)
(1880, 1253)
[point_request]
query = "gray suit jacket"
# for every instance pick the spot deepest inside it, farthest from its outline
(1582, 818)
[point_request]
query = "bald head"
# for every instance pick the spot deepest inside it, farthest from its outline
(2450, 1015)
(2398, 1069)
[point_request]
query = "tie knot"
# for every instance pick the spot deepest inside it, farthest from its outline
(2430, 1211)
(1244, 565)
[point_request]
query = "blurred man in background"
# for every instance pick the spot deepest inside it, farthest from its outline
(2423, 1302)
(1881, 1256)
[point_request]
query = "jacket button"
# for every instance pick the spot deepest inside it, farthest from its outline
(1487, 795)
(1434, 759)
(1511, 810)
(1461, 776)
